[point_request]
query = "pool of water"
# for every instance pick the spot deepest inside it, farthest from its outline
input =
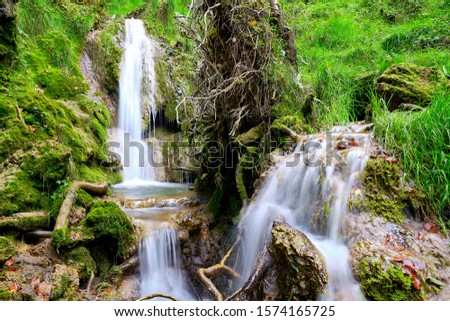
(136, 190)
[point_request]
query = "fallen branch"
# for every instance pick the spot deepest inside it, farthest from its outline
(263, 263)
(88, 289)
(19, 114)
(157, 295)
(296, 137)
(62, 220)
(128, 265)
(205, 275)
(38, 234)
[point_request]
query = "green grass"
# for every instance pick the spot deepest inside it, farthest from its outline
(338, 40)
(123, 7)
(422, 142)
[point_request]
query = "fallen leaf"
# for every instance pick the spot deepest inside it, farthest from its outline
(45, 298)
(398, 246)
(398, 258)
(435, 281)
(107, 290)
(420, 236)
(9, 262)
(353, 143)
(391, 160)
(388, 239)
(12, 269)
(35, 282)
(416, 283)
(14, 287)
(406, 252)
(430, 227)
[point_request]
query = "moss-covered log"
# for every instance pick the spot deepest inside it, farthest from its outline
(24, 222)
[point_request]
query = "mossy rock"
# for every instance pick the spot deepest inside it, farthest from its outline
(384, 194)
(7, 249)
(83, 261)
(252, 136)
(107, 220)
(409, 84)
(385, 282)
(83, 199)
(301, 268)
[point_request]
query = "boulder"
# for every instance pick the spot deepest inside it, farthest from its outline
(408, 84)
(301, 268)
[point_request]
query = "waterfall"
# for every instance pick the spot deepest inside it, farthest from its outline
(159, 265)
(137, 90)
(311, 191)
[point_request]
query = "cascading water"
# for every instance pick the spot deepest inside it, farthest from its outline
(137, 90)
(160, 267)
(310, 190)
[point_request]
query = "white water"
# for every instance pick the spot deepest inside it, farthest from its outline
(160, 266)
(296, 192)
(137, 90)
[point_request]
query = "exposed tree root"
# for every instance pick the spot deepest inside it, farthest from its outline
(64, 212)
(128, 265)
(263, 263)
(296, 137)
(157, 295)
(205, 275)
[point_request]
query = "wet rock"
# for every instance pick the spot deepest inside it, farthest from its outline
(64, 282)
(408, 84)
(397, 247)
(301, 268)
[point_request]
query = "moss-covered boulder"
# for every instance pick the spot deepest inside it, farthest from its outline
(385, 282)
(107, 221)
(384, 193)
(301, 268)
(64, 282)
(409, 84)
(7, 249)
(82, 260)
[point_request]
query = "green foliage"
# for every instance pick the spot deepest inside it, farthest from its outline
(384, 282)
(123, 7)
(421, 140)
(339, 40)
(83, 199)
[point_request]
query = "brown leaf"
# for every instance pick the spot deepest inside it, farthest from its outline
(107, 290)
(12, 269)
(430, 227)
(9, 262)
(406, 252)
(391, 160)
(388, 239)
(398, 246)
(420, 236)
(35, 282)
(398, 258)
(353, 143)
(14, 287)
(416, 282)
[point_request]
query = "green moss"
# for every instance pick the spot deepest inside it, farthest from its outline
(103, 259)
(384, 194)
(386, 282)
(215, 202)
(59, 289)
(107, 220)
(5, 295)
(408, 83)
(84, 262)
(83, 199)
(7, 249)
(58, 85)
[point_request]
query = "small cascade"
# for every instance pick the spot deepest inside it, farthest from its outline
(310, 189)
(160, 269)
(137, 91)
